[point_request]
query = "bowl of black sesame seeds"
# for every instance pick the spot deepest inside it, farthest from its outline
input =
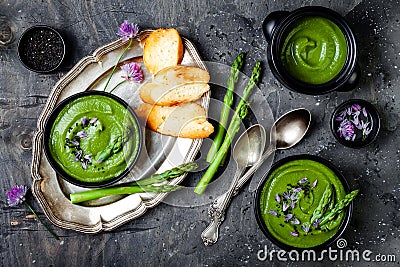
(41, 49)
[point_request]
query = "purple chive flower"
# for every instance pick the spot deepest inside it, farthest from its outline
(305, 227)
(297, 190)
(288, 217)
(303, 180)
(133, 72)
(294, 234)
(364, 112)
(356, 107)
(286, 195)
(128, 31)
(88, 157)
(84, 121)
(278, 198)
(292, 204)
(295, 221)
(346, 130)
(272, 212)
(93, 120)
(16, 196)
(316, 223)
(84, 164)
(78, 154)
(81, 134)
(285, 206)
(314, 184)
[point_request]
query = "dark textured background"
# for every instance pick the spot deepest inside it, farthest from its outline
(170, 235)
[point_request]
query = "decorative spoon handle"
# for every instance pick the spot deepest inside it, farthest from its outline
(253, 169)
(217, 211)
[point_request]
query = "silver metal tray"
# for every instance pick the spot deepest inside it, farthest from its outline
(159, 154)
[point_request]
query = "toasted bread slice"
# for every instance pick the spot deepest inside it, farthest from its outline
(177, 75)
(163, 48)
(159, 94)
(187, 120)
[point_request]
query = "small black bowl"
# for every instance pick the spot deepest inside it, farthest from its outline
(41, 49)
(55, 165)
(372, 117)
(257, 209)
(276, 27)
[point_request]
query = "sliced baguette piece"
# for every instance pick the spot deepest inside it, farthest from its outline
(159, 94)
(162, 48)
(187, 120)
(177, 75)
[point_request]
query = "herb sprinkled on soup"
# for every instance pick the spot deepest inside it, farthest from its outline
(94, 138)
(299, 203)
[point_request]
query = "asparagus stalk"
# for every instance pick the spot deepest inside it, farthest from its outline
(228, 100)
(120, 190)
(141, 186)
(339, 207)
(240, 113)
(169, 174)
(323, 204)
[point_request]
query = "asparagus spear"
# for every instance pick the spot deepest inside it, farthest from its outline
(169, 174)
(323, 204)
(120, 190)
(141, 186)
(240, 113)
(339, 207)
(228, 99)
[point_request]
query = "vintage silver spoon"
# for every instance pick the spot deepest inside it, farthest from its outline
(287, 131)
(246, 152)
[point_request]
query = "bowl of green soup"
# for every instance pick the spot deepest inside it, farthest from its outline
(92, 139)
(312, 50)
(303, 202)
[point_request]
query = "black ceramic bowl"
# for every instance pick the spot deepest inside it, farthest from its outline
(41, 49)
(56, 166)
(264, 228)
(372, 120)
(276, 27)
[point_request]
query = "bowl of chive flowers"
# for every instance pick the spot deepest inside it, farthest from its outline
(355, 123)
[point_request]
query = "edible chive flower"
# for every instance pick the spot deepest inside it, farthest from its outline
(93, 120)
(128, 31)
(295, 220)
(16, 197)
(288, 217)
(294, 234)
(346, 130)
(278, 198)
(352, 119)
(133, 72)
(285, 206)
(84, 121)
(305, 227)
(303, 180)
(297, 190)
(314, 184)
(272, 212)
(81, 134)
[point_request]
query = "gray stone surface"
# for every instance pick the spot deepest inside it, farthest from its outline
(169, 235)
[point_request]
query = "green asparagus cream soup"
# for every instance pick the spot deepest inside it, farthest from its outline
(94, 138)
(314, 51)
(291, 203)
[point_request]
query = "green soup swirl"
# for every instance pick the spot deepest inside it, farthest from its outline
(314, 51)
